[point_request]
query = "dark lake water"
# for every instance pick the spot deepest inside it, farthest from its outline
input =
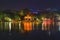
(33, 35)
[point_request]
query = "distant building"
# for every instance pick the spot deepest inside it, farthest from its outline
(27, 23)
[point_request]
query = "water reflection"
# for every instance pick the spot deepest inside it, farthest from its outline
(27, 26)
(18, 26)
(6, 25)
(1, 26)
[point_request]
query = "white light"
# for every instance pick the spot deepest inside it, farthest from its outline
(9, 26)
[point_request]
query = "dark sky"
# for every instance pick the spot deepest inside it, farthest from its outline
(33, 4)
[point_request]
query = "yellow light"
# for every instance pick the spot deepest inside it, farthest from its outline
(27, 17)
(8, 19)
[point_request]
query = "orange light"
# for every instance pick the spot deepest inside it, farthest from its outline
(27, 26)
(27, 17)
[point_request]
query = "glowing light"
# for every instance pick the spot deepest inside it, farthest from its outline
(9, 22)
(58, 23)
(27, 24)
(6, 26)
(20, 27)
(36, 22)
(8, 19)
(9, 26)
(28, 17)
(47, 22)
(44, 24)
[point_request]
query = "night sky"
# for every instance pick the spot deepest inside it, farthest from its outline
(32, 4)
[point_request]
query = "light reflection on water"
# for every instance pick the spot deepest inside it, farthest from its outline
(23, 26)
(18, 26)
